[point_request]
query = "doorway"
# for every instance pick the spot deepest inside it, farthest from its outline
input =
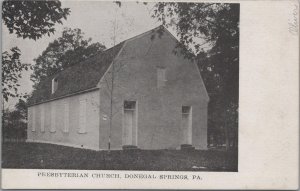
(129, 136)
(186, 124)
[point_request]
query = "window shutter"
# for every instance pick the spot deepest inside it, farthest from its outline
(33, 119)
(163, 71)
(161, 77)
(82, 116)
(52, 129)
(66, 117)
(158, 78)
(42, 119)
(54, 85)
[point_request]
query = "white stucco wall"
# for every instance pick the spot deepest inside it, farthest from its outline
(159, 109)
(89, 139)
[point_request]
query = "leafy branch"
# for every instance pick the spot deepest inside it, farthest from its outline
(33, 19)
(12, 69)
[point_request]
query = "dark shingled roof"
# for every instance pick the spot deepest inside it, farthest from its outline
(82, 76)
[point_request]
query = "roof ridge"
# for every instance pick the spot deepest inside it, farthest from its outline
(136, 36)
(85, 60)
(101, 60)
(99, 53)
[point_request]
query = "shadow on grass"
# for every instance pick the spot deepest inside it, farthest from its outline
(48, 156)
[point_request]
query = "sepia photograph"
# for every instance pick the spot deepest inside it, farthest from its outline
(116, 85)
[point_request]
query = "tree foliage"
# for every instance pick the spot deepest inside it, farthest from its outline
(33, 19)
(68, 50)
(21, 107)
(12, 69)
(13, 126)
(215, 25)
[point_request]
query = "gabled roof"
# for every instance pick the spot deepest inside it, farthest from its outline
(83, 76)
(80, 77)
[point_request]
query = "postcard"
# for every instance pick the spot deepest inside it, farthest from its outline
(150, 95)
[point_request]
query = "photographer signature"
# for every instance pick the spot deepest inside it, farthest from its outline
(293, 24)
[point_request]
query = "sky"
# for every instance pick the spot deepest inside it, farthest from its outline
(95, 19)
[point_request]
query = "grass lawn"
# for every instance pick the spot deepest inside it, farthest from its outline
(48, 156)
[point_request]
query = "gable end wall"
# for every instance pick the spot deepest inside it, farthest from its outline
(159, 109)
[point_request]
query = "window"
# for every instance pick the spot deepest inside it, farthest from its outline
(33, 119)
(129, 105)
(53, 123)
(42, 119)
(66, 117)
(161, 77)
(54, 85)
(186, 124)
(82, 116)
(186, 109)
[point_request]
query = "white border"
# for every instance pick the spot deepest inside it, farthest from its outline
(268, 116)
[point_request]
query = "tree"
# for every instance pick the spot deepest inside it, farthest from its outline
(21, 107)
(28, 19)
(213, 23)
(33, 19)
(13, 125)
(14, 122)
(216, 26)
(111, 78)
(68, 50)
(11, 72)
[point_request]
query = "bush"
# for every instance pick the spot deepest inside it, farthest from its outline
(14, 131)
